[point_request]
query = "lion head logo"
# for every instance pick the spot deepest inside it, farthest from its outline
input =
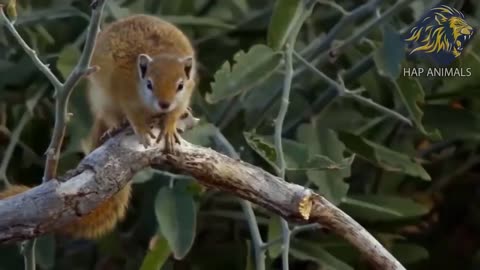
(441, 35)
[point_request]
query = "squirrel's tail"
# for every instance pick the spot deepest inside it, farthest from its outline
(103, 218)
(96, 223)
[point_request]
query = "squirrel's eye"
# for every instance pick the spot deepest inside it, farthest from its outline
(180, 86)
(149, 85)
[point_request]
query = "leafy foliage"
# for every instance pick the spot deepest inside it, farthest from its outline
(251, 68)
(176, 215)
(415, 188)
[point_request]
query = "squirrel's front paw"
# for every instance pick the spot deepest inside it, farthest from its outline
(170, 138)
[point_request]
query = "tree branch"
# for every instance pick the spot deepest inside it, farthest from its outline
(63, 94)
(62, 90)
(30, 52)
(111, 166)
(344, 92)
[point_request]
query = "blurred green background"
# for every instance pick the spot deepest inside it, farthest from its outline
(415, 188)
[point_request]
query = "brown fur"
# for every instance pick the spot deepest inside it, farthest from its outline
(93, 225)
(113, 97)
(116, 52)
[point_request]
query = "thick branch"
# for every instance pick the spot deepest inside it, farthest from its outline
(325, 213)
(107, 169)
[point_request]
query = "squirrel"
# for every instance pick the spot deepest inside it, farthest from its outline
(146, 67)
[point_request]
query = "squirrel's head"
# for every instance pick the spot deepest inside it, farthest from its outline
(164, 80)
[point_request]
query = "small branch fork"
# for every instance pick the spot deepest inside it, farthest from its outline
(62, 90)
(107, 169)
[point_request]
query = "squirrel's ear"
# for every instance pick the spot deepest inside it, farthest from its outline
(142, 63)
(188, 64)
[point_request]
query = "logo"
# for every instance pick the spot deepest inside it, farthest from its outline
(440, 36)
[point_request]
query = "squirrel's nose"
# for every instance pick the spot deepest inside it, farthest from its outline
(164, 105)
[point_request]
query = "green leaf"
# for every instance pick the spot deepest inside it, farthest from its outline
(67, 60)
(453, 123)
(262, 147)
(409, 253)
(339, 248)
(250, 69)
(274, 232)
(157, 256)
(324, 142)
(176, 216)
(305, 250)
(382, 207)
(45, 251)
(257, 103)
(470, 63)
(411, 93)
(382, 156)
(143, 176)
(389, 57)
(295, 154)
(12, 10)
(238, 8)
(46, 36)
(287, 15)
(200, 134)
(319, 162)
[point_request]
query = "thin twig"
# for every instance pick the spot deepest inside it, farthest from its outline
(15, 135)
(318, 46)
(322, 75)
(255, 232)
(369, 102)
(278, 130)
(306, 227)
(62, 92)
(81, 69)
(247, 208)
(443, 182)
(30, 52)
(335, 6)
(342, 91)
(28, 251)
(323, 43)
(281, 165)
(296, 230)
(330, 94)
(29, 152)
(359, 35)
